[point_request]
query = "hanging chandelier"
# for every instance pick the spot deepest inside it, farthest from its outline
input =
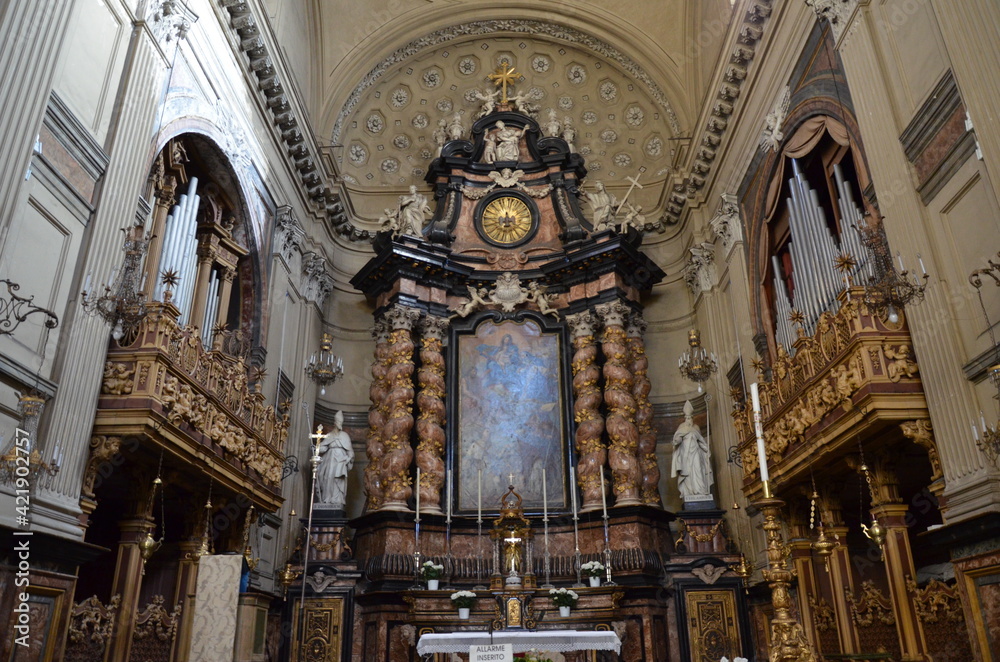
(123, 302)
(888, 290)
(22, 465)
(325, 368)
(696, 363)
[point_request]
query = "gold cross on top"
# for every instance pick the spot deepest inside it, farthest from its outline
(511, 477)
(504, 76)
(318, 436)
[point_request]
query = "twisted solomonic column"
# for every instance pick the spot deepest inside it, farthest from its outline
(623, 434)
(590, 452)
(649, 470)
(430, 421)
(378, 414)
(398, 456)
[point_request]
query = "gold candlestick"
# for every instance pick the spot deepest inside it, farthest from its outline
(788, 641)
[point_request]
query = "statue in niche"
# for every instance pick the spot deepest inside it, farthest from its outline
(336, 459)
(690, 462)
(508, 139)
(553, 128)
(455, 128)
(440, 135)
(603, 204)
(413, 211)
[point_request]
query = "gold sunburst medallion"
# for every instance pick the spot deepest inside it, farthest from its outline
(506, 220)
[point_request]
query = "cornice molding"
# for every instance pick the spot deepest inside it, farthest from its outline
(301, 152)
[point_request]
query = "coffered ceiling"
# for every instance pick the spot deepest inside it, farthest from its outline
(379, 76)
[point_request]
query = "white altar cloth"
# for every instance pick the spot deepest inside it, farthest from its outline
(557, 641)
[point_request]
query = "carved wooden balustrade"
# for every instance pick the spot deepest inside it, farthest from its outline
(194, 402)
(856, 371)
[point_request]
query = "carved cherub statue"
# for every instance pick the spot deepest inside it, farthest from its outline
(476, 299)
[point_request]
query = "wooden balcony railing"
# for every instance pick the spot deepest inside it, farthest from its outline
(195, 402)
(856, 371)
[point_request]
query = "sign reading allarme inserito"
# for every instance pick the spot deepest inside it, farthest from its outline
(492, 653)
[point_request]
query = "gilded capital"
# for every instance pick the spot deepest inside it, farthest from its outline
(614, 313)
(433, 327)
(583, 324)
(401, 317)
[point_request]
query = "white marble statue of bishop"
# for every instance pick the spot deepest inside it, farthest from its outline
(337, 457)
(691, 464)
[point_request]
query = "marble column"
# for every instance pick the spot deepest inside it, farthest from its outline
(590, 450)
(623, 434)
(398, 457)
(646, 451)
(154, 38)
(29, 56)
(378, 414)
(431, 418)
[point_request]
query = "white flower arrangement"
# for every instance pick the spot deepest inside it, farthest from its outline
(463, 599)
(431, 570)
(563, 597)
(592, 568)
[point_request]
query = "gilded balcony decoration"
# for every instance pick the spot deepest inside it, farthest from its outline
(194, 402)
(857, 370)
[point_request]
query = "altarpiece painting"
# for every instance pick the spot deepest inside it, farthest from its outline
(510, 414)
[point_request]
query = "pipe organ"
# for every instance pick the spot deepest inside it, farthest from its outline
(813, 249)
(198, 245)
(179, 246)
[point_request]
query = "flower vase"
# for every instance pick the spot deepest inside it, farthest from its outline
(564, 612)
(463, 613)
(595, 581)
(432, 584)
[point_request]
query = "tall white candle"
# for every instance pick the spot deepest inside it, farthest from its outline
(982, 421)
(572, 486)
(479, 500)
(448, 511)
(759, 431)
(545, 499)
(604, 498)
(418, 494)
(975, 432)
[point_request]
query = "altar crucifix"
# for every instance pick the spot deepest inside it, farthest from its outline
(502, 77)
(512, 544)
(512, 553)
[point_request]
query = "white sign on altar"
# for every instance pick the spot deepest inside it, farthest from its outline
(492, 653)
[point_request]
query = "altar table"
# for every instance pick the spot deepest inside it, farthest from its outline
(557, 641)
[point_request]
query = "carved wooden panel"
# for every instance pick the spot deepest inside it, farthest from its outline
(713, 627)
(322, 628)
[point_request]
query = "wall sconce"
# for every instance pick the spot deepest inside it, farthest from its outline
(22, 465)
(13, 311)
